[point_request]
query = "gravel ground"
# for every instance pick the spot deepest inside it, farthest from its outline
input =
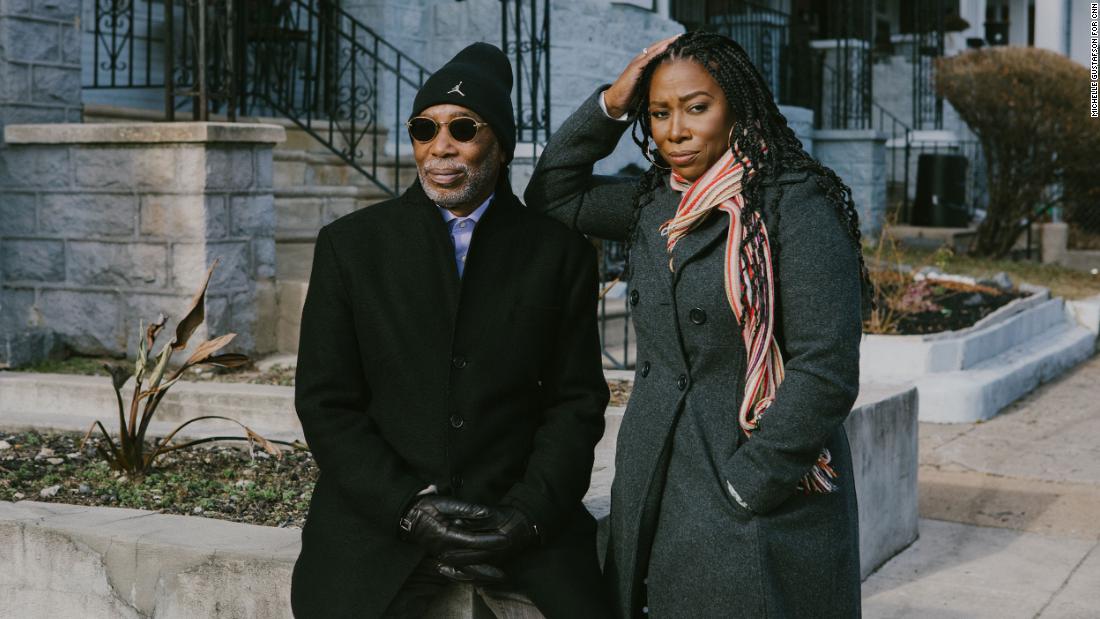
(222, 481)
(620, 391)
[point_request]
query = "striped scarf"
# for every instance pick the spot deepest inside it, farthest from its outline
(747, 252)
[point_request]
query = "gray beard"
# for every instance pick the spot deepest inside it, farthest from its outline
(478, 181)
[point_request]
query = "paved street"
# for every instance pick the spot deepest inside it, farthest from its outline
(1010, 514)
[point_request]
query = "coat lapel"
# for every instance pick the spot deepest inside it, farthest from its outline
(490, 264)
(695, 244)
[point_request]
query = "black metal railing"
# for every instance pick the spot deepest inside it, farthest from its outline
(898, 156)
(775, 43)
(616, 327)
(305, 60)
(763, 32)
(315, 64)
(124, 33)
(200, 58)
(525, 38)
(928, 45)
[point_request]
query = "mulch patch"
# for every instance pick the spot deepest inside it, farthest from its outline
(961, 306)
(221, 481)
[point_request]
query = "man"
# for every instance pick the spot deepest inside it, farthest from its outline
(449, 380)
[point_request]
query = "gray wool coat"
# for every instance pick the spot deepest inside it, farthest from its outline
(680, 544)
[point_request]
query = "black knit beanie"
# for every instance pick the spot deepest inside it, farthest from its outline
(478, 78)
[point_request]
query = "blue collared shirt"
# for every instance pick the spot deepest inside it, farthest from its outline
(462, 231)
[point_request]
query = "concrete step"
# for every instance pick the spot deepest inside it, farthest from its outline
(70, 402)
(982, 390)
(302, 210)
(295, 168)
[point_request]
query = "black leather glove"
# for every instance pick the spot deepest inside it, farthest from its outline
(507, 522)
(478, 573)
(431, 523)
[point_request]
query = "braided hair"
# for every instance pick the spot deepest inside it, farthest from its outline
(758, 120)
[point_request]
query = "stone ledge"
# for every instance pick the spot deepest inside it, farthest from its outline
(143, 133)
(848, 135)
(134, 563)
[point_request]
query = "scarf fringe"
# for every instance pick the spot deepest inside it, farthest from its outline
(819, 479)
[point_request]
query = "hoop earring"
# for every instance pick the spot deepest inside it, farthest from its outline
(648, 154)
(729, 140)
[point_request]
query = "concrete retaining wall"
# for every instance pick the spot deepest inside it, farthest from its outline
(64, 560)
(882, 431)
(72, 561)
(906, 357)
(66, 402)
(972, 374)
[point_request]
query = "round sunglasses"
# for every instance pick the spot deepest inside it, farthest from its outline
(424, 129)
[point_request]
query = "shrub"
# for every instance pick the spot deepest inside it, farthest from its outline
(1029, 109)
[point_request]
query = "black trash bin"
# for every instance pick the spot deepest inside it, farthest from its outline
(941, 191)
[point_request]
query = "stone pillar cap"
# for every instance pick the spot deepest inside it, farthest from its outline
(143, 132)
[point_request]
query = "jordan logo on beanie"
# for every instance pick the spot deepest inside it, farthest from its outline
(457, 88)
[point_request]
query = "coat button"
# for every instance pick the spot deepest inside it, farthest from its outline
(457, 421)
(682, 382)
(645, 369)
(698, 316)
(459, 361)
(634, 297)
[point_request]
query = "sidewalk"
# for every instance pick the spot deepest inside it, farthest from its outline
(1010, 514)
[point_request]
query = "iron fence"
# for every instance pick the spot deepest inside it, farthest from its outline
(617, 341)
(313, 63)
(306, 60)
(525, 37)
(125, 35)
(928, 45)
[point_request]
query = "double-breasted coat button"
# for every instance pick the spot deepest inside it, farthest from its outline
(645, 369)
(682, 382)
(457, 421)
(459, 361)
(634, 297)
(698, 316)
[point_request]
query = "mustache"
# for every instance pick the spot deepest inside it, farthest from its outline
(443, 165)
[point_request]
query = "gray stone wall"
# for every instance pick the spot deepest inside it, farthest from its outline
(39, 61)
(39, 82)
(591, 42)
(859, 158)
(95, 237)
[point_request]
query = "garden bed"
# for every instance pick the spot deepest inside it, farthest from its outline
(942, 305)
(221, 481)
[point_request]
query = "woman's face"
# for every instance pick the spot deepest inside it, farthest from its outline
(689, 117)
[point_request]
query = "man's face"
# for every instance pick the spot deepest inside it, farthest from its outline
(457, 176)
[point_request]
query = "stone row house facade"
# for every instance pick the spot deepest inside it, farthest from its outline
(119, 187)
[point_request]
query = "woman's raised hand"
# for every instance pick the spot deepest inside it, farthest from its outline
(621, 95)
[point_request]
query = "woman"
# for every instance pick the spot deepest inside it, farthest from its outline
(733, 494)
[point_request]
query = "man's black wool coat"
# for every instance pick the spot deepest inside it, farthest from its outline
(489, 387)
